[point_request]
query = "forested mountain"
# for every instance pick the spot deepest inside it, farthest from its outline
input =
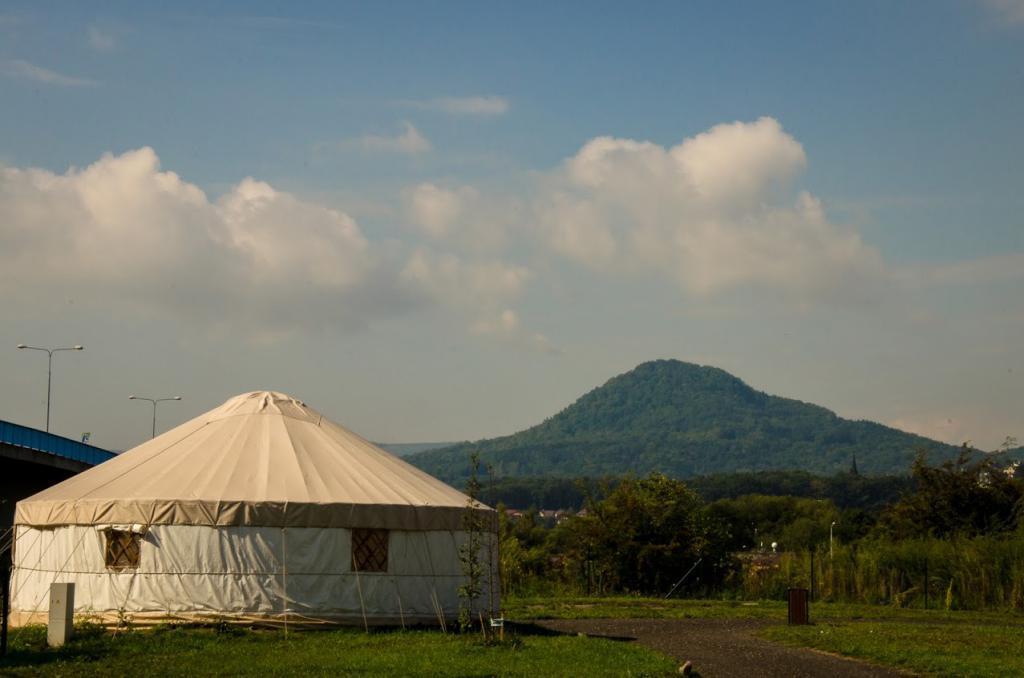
(685, 420)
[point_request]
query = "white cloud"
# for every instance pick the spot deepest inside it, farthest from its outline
(461, 216)
(410, 141)
(507, 321)
(472, 105)
(465, 285)
(575, 228)
(713, 213)
(507, 327)
(121, 233)
(18, 68)
(100, 40)
(740, 161)
(434, 209)
(478, 290)
(1011, 11)
(281, 236)
(124, 237)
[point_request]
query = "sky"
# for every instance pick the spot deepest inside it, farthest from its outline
(447, 221)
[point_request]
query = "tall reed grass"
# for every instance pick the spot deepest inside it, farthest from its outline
(962, 574)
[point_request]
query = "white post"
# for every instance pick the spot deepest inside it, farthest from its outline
(62, 614)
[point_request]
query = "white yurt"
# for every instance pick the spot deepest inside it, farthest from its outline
(260, 509)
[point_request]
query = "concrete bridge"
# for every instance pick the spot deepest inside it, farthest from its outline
(32, 460)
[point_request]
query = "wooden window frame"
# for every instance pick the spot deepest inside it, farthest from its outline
(122, 549)
(370, 549)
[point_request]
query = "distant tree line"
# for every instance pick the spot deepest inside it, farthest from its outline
(845, 490)
(952, 534)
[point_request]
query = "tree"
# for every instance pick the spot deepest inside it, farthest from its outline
(796, 523)
(970, 495)
(473, 524)
(643, 535)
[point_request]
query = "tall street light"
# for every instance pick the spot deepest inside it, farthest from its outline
(154, 401)
(830, 551)
(49, 371)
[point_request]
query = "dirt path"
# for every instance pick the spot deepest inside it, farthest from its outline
(722, 648)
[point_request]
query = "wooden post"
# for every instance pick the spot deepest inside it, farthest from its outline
(5, 582)
(926, 583)
(401, 608)
(284, 579)
(798, 608)
(812, 574)
(362, 606)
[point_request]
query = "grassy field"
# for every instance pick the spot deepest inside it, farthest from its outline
(166, 651)
(938, 649)
(629, 607)
(925, 641)
(929, 642)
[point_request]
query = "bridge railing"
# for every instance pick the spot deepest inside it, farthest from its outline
(41, 441)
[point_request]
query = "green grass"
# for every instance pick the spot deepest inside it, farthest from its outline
(940, 649)
(630, 607)
(938, 642)
(928, 641)
(167, 651)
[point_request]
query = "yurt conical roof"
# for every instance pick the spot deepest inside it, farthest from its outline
(262, 458)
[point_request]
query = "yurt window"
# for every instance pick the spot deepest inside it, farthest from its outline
(122, 552)
(369, 550)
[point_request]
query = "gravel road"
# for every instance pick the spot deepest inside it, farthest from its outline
(723, 648)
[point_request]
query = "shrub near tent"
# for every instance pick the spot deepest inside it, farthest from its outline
(259, 509)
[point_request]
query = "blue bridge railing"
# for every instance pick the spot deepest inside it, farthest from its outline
(41, 441)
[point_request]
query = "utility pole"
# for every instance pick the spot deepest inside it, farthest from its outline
(49, 370)
(154, 401)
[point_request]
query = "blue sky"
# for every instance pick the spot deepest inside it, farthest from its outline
(461, 217)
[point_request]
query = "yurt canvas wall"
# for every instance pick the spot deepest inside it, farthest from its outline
(258, 509)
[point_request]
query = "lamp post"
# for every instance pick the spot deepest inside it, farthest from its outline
(49, 371)
(154, 401)
(830, 538)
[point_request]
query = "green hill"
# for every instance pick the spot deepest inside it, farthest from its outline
(686, 420)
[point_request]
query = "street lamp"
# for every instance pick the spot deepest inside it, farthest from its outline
(154, 401)
(830, 538)
(49, 371)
